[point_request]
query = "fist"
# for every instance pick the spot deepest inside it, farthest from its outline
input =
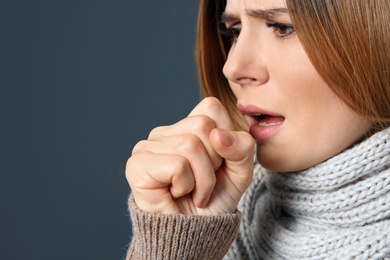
(199, 165)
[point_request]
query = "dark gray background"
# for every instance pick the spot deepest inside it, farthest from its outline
(81, 81)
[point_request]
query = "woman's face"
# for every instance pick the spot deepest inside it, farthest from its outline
(295, 118)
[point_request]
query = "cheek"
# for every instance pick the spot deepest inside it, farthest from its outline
(236, 89)
(306, 96)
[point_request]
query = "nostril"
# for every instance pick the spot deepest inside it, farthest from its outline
(247, 81)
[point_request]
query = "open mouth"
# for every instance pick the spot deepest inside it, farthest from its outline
(268, 120)
(263, 124)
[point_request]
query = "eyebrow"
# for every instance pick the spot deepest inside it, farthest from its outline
(265, 14)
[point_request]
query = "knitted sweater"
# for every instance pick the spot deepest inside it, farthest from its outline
(338, 209)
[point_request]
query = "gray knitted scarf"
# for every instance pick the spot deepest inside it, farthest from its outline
(339, 209)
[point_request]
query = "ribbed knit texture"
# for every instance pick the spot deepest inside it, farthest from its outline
(339, 209)
(180, 237)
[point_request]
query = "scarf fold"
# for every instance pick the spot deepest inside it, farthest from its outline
(339, 209)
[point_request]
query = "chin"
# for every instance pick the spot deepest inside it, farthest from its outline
(279, 163)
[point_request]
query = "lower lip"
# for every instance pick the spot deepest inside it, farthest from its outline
(262, 133)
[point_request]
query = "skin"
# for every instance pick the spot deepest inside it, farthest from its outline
(200, 165)
(268, 68)
(196, 166)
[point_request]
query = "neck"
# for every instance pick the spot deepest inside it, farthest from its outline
(350, 189)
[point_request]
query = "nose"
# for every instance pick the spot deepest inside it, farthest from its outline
(244, 65)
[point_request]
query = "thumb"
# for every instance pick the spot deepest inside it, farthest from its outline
(237, 149)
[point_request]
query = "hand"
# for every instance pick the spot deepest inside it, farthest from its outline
(196, 166)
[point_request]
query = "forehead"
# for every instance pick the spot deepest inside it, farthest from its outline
(242, 6)
(262, 9)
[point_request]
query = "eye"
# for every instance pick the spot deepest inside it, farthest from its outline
(281, 30)
(230, 33)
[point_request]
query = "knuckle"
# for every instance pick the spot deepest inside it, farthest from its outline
(141, 145)
(203, 123)
(179, 166)
(190, 144)
(213, 105)
(156, 132)
(211, 101)
(131, 166)
(178, 192)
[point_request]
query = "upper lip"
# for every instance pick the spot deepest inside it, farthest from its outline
(254, 111)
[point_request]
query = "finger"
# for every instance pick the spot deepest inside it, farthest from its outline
(214, 109)
(191, 148)
(237, 149)
(207, 115)
(156, 180)
(214, 115)
(199, 126)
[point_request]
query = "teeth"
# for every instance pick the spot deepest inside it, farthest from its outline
(262, 123)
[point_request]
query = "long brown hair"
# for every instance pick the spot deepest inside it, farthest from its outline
(348, 42)
(211, 53)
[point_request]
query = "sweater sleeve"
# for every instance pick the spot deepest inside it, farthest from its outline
(158, 236)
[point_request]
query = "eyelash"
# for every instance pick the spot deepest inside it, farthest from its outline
(279, 29)
(230, 33)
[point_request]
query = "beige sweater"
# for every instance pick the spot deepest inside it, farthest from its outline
(338, 209)
(158, 236)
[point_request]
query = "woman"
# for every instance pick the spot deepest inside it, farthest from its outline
(306, 85)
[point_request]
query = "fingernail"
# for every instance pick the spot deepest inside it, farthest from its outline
(205, 202)
(227, 139)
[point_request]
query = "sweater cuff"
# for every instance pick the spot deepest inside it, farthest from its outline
(158, 236)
